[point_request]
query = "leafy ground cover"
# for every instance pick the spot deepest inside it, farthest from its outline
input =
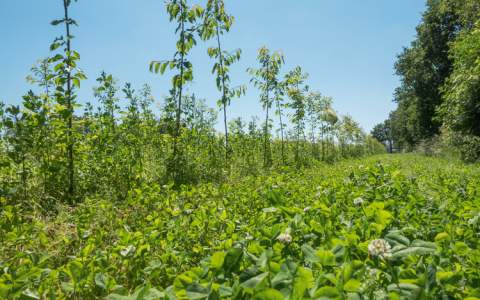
(385, 227)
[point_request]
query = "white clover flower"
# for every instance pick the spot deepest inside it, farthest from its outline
(358, 201)
(380, 248)
(380, 295)
(286, 237)
(473, 220)
(372, 272)
(128, 251)
(307, 208)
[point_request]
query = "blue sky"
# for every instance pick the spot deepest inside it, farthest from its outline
(347, 46)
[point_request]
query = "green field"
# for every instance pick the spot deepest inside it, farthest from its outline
(295, 235)
(249, 151)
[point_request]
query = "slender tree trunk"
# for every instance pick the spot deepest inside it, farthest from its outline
(44, 132)
(180, 91)
(281, 130)
(266, 139)
(266, 142)
(224, 97)
(323, 142)
(70, 141)
(24, 177)
(297, 151)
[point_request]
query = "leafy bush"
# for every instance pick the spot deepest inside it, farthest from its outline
(470, 148)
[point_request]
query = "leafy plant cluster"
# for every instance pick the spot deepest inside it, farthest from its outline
(54, 150)
(405, 228)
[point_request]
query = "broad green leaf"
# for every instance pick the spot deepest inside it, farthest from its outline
(352, 285)
(255, 282)
(327, 292)
(216, 261)
(269, 294)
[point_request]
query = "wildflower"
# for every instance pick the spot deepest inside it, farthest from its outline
(248, 237)
(127, 251)
(285, 237)
(86, 234)
(380, 248)
(380, 294)
(358, 201)
(473, 220)
(372, 272)
(307, 208)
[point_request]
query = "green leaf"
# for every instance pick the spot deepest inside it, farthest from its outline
(76, 82)
(101, 281)
(327, 292)
(270, 210)
(407, 290)
(303, 280)
(216, 261)
(416, 248)
(232, 260)
(255, 282)
(327, 258)
(395, 238)
(196, 291)
(57, 22)
(352, 285)
(310, 254)
(269, 294)
(142, 293)
(442, 236)
(162, 68)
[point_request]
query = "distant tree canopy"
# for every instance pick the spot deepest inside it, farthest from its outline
(439, 75)
(383, 133)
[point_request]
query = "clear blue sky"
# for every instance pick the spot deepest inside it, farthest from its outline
(347, 46)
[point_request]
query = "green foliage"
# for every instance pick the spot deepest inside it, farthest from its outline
(461, 110)
(231, 240)
(217, 22)
(266, 80)
(439, 84)
(383, 133)
(296, 91)
(185, 17)
(124, 202)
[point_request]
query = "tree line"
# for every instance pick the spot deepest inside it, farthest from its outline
(438, 101)
(54, 149)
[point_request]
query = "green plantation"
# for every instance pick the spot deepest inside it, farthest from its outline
(386, 227)
(124, 195)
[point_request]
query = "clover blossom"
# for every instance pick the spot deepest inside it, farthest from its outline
(358, 201)
(380, 248)
(286, 237)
